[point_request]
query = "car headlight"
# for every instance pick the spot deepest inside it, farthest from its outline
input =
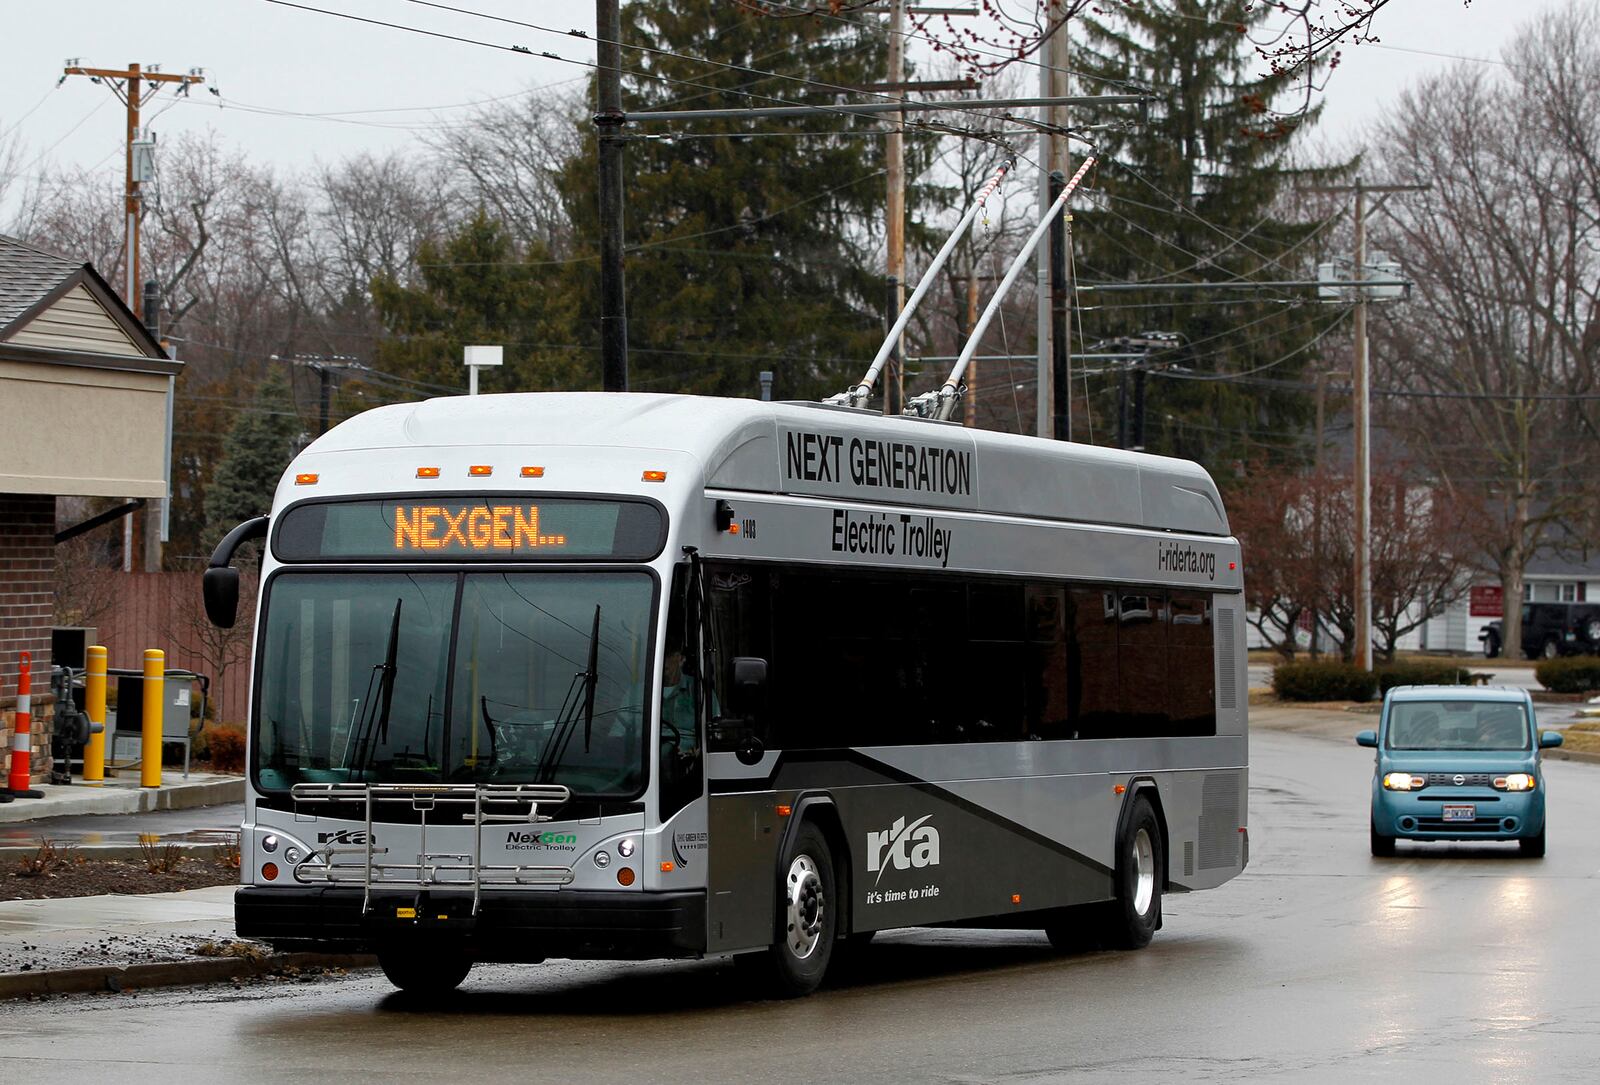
(1516, 781)
(1404, 781)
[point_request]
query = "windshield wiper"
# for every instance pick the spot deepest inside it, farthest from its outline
(581, 692)
(379, 721)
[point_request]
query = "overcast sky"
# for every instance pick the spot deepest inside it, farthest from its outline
(374, 88)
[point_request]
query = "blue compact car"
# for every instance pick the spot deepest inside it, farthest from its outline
(1458, 763)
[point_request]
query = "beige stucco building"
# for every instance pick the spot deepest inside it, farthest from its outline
(85, 393)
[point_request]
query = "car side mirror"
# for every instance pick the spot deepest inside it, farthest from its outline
(1367, 738)
(220, 588)
(1548, 740)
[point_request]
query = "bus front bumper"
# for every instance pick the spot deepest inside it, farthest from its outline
(509, 926)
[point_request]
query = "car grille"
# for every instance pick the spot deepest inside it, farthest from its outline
(1440, 825)
(1468, 779)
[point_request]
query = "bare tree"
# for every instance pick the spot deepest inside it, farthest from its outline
(1503, 334)
(376, 211)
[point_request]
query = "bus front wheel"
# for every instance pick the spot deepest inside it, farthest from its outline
(1136, 913)
(808, 914)
(424, 971)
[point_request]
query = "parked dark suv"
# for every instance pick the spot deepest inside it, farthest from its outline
(1550, 630)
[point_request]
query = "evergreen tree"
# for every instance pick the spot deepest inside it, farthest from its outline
(1194, 190)
(750, 245)
(254, 455)
(478, 287)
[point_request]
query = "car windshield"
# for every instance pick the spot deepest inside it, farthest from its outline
(1458, 725)
(456, 678)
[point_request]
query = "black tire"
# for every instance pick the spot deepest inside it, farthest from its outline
(807, 918)
(1382, 846)
(1135, 914)
(1532, 847)
(1491, 647)
(424, 972)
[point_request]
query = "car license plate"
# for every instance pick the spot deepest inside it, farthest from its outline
(1463, 812)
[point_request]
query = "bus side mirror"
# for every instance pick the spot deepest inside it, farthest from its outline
(220, 587)
(1367, 738)
(749, 685)
(1549, 739)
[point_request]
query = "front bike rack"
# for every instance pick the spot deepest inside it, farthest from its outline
(490, 804)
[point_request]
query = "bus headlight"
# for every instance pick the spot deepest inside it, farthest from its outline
(1516, 781)
(1404, 781)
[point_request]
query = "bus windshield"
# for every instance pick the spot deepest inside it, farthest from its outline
(455, 677)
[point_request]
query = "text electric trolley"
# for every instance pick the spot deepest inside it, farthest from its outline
(623, 676)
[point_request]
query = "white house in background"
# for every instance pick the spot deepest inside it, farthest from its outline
(1547, 580)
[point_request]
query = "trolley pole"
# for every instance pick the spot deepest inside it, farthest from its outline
(894, 389)
(1060, 372)
(608, 122)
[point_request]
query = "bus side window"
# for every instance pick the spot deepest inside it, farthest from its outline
(1190, 675)
(1142, 660)
(738, 625)
(1094, 685)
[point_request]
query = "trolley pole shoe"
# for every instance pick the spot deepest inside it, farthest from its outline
(21, 734)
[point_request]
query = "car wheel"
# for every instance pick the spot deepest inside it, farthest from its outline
(808, 918)
(1532, 846)
(1591, 630)
(1382, 846)
(1132, 919)
(426, 972)
(1551, 649)
(1491, 646)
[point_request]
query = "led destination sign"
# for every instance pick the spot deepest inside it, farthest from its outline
(494, 527)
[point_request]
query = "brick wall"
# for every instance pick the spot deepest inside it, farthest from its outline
(27, 609)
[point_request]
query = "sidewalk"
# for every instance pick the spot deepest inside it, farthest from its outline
(123, 795)
(118, 943)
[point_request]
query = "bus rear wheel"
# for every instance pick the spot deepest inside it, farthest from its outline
(423, 971)
(1136, 913)
(808, 918)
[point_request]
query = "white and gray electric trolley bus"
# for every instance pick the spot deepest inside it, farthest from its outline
(593, 675)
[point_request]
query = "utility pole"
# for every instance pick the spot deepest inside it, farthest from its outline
(1361, 406)
(1053, 159)
(324, 366)
(133, 87)
(608, 121)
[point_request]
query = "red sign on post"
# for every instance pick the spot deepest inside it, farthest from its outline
(1486, 601)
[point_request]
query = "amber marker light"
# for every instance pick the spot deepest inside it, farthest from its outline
(733, 529)
(1120, 789)
(270, 872)
(784, 810)
(655, 476)
(307, 479)
(480, 470)
(666, 866)
(1016, 898)
(625, 876)
(427, 472)
(533, 472)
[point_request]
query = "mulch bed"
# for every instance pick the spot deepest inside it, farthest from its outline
(74, 876)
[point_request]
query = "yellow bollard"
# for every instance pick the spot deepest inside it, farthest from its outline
(94, 704)
(155, 667)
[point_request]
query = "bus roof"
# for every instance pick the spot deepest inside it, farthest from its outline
(818, 450)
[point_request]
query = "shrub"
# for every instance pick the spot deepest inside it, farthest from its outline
(1421, 674)
(1573, 675)
(1323, 682)
(225, 746)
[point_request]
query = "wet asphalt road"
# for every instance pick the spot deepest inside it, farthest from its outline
(1449, 962)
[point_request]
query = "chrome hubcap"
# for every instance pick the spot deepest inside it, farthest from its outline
(1144, 866)
(806, 906)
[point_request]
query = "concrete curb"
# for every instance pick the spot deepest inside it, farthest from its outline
(63, 981)
(86, 799)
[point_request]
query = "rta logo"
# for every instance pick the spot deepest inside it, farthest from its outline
(903, 846)
(344, 836)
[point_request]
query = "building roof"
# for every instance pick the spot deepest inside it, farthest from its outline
(1570, 567)
(33, 280)
(28, 277)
